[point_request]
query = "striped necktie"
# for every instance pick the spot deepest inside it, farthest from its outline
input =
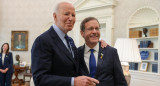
(68, 42)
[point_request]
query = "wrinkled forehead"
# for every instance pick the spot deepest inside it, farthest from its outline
(65, 6)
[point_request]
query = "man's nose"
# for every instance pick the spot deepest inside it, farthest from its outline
(70, 17)
(94, 30)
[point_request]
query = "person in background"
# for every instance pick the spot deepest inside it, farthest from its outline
(19, 43)
(6, 66)
(54, 55)
(102, 64)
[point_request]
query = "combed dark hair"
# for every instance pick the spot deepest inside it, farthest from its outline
(82, 25)
(7, 49)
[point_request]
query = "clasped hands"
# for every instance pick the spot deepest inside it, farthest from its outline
(4, 71)
(85, 81)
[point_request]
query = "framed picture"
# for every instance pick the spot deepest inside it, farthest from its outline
(19, 41)
(143, 66)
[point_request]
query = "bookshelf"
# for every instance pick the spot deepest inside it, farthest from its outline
(148, 46)
(145, 17)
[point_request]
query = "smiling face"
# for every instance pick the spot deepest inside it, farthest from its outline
(5, 48)
(91, 33)
(65, 17)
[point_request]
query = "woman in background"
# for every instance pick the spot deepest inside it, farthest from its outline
(6, 65)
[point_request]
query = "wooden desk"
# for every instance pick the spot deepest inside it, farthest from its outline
(17, 70)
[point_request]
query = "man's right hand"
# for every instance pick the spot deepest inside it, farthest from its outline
(85, 81)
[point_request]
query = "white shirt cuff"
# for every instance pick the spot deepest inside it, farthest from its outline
(72, 81)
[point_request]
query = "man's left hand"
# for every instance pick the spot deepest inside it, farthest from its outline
(103, 44)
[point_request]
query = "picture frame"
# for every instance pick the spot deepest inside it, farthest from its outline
(19, 40)
(143, 66)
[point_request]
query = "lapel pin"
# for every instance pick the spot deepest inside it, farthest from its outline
(101, 55)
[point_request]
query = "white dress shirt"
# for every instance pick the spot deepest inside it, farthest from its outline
(3, 56)
(87, 53)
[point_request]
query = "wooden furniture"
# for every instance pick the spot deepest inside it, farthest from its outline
(27, 74)
(17, 70)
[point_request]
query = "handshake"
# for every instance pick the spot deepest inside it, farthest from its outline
(85, 81)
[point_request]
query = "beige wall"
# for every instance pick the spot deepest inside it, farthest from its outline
(30, 15)
(35, 15)
(123, 11)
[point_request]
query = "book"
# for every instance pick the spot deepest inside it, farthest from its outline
(156, 56)
(154, 67)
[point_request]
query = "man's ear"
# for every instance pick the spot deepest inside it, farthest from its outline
(82, 33)
(54, 16)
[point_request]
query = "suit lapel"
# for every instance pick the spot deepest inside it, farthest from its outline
(6, 57)
(100, 59)
(99, 63)
(60, 44)
(83, 62)
(0, 58)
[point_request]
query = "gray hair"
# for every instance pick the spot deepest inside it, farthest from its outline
(56, 9)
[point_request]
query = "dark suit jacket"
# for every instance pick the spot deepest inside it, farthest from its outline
(109, 71)
(8, 62)
(52, 63)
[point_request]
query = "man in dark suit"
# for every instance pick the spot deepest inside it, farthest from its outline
(100, 63)
(54, 58)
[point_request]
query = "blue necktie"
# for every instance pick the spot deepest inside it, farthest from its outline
(92, 64)
(71, 45)
(68, 42)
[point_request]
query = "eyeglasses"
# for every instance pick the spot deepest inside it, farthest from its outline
(91, 29)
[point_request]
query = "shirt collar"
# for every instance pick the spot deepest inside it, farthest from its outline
(60, 33)
(96, 48)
